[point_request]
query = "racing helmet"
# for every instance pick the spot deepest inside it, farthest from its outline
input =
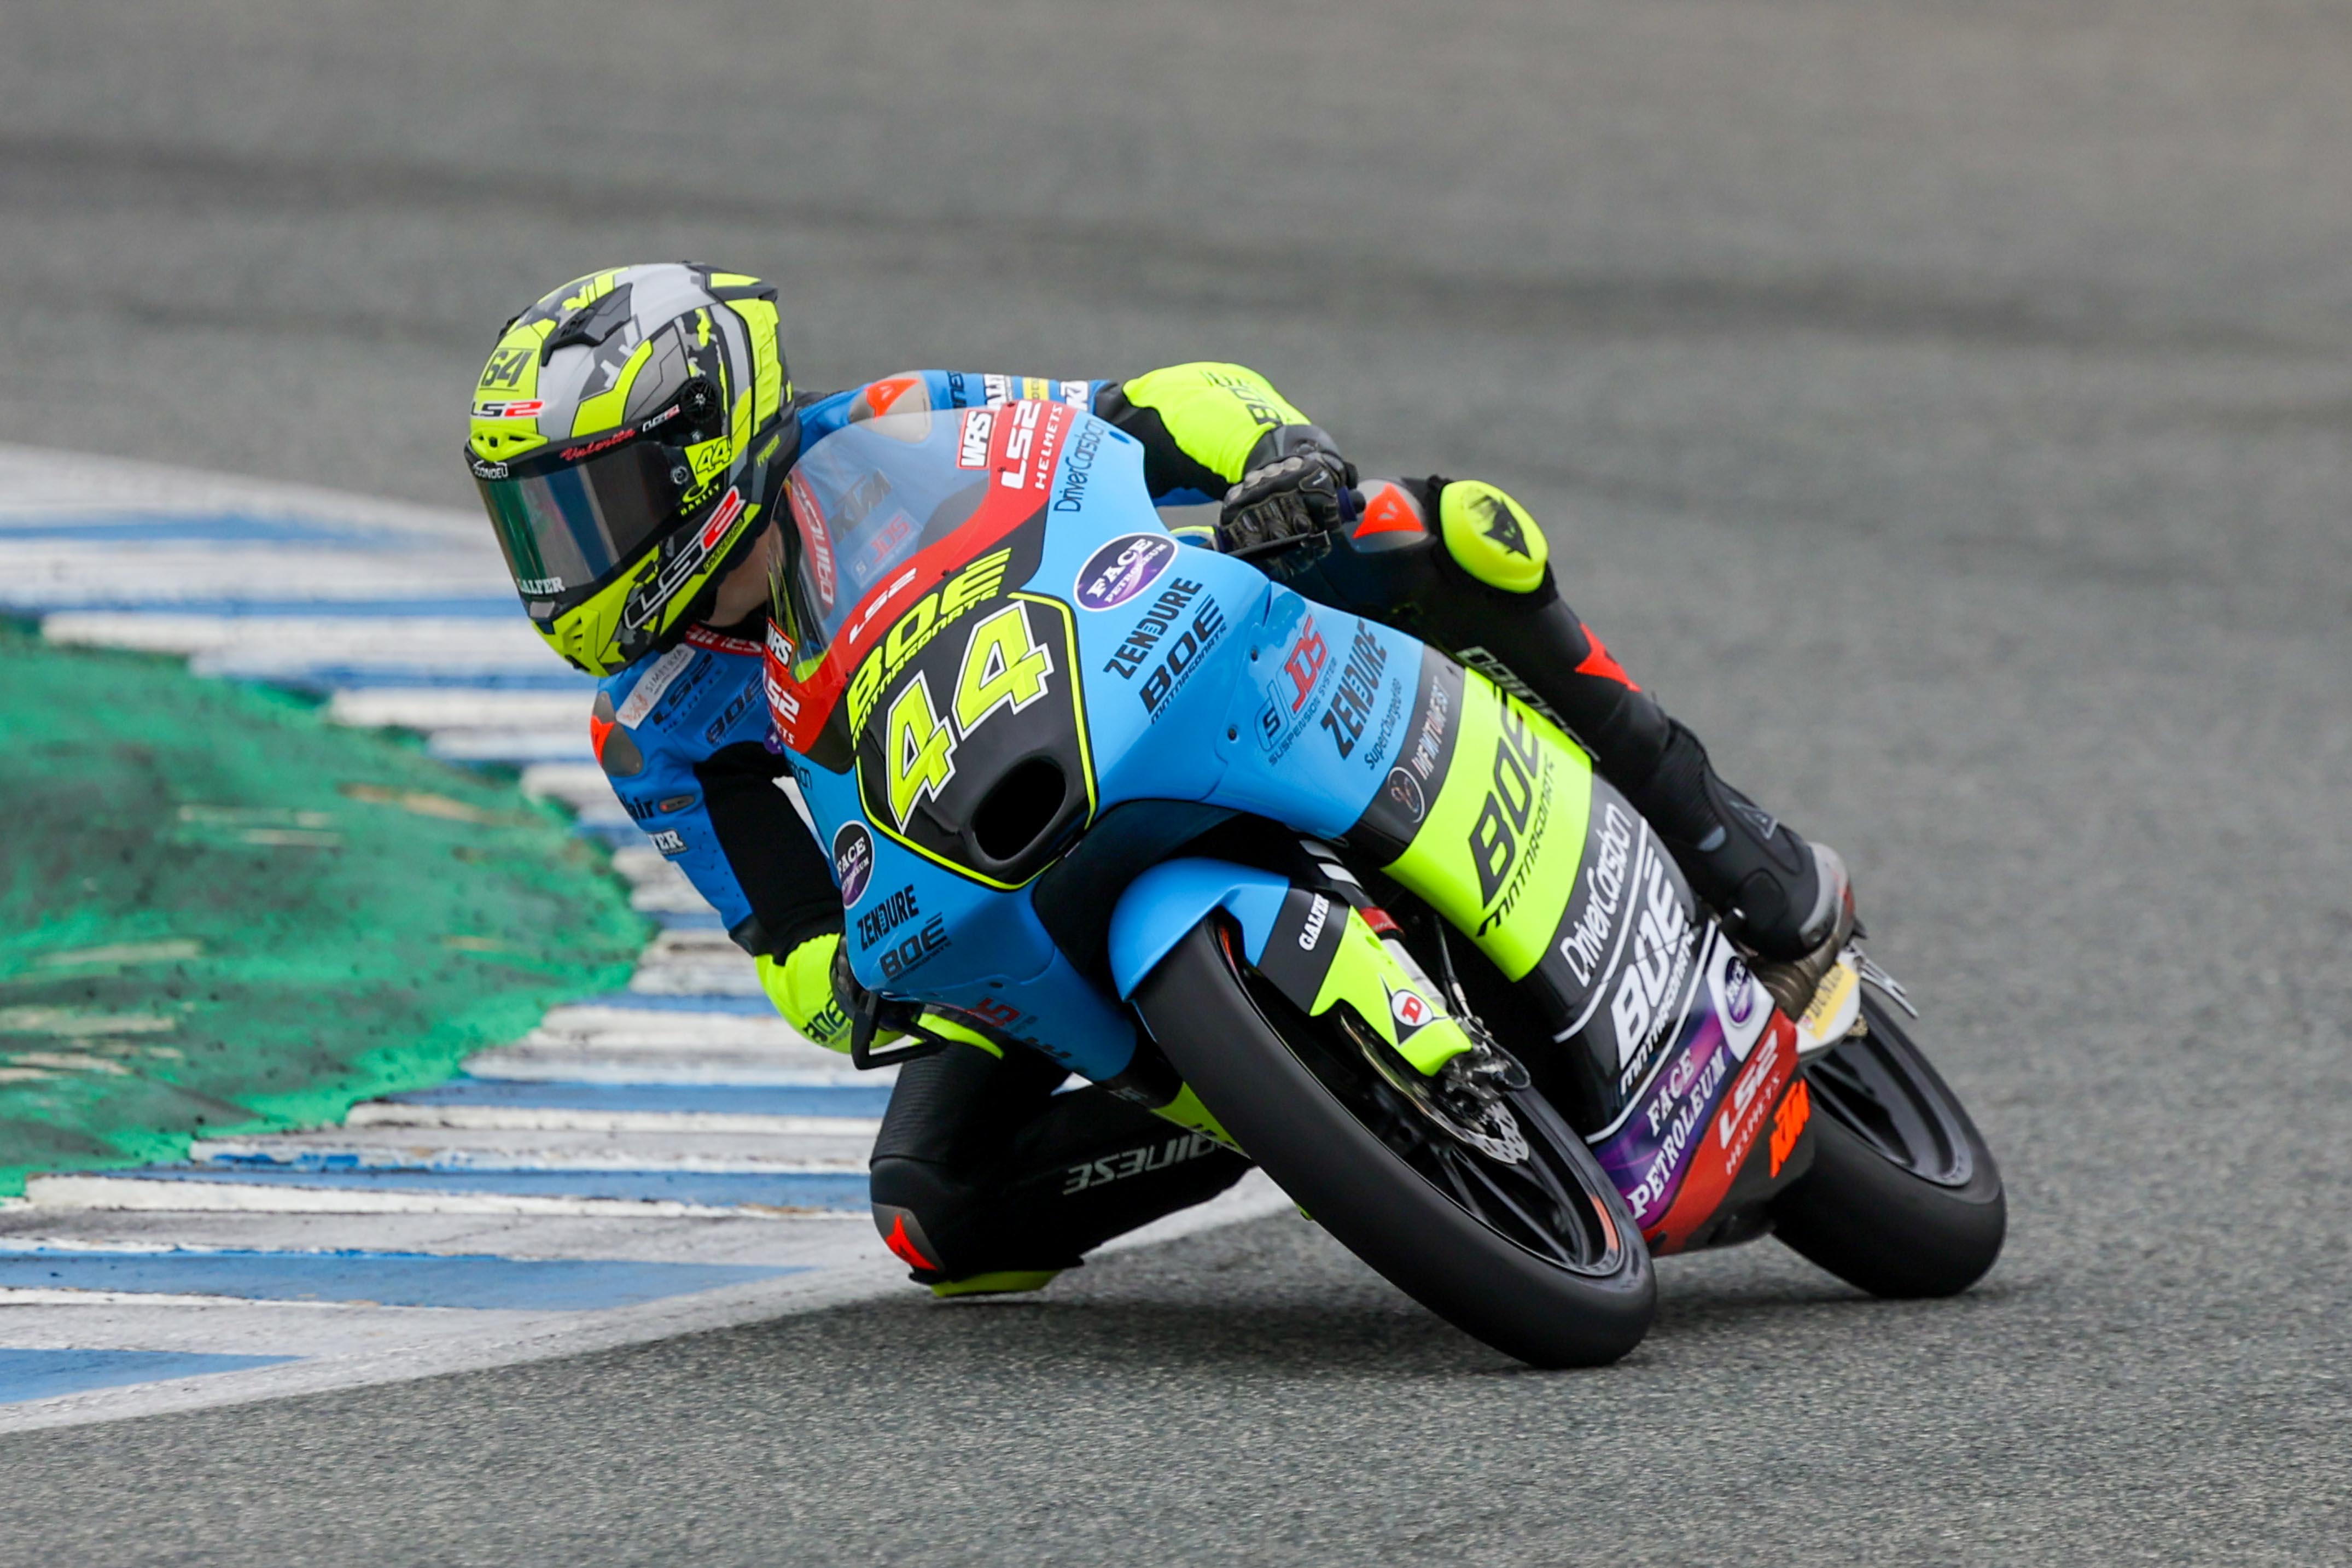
(631, 432)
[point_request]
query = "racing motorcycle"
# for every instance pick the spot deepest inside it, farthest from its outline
(1303, 883)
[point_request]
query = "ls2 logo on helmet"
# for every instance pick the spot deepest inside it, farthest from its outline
(853, 862)
(1123, 569)
(644, 604)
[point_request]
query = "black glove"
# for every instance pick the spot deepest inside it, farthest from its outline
(873, 1015)
(1295, 486)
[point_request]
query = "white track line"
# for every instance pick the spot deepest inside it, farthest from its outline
(296, 641)
(111, 1192)
(537, 1118)
(650, 1029)
(851, 1274)
(447, 707)
(60, 574)
(707, 1070)
(21, 1296)
(230, 1154)
(46, 484)
(509, 1149)
(730, 977)
(513, 748)
(576, 784)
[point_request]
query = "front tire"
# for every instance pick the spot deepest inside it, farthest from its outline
(1903, 1199)
(1539, 1260)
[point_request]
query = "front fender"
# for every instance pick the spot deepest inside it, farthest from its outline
(1163, 904)
(1323, 962)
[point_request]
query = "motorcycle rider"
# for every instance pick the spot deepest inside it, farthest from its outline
(630, 436)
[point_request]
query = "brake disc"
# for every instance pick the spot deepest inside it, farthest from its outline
(1465, 1100)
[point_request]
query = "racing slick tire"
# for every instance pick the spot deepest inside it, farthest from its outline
(1539, 1258)
(1903, 1198)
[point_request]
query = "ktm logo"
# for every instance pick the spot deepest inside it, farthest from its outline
(1789, 1123)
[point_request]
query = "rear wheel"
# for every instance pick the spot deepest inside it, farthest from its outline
(1903, 1198)
(1512, 1233)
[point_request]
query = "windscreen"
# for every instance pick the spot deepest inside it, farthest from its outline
(867, 496)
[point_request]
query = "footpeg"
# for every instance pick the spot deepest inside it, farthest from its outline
(1794, 981)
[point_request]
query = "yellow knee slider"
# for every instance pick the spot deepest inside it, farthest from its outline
(1004, 1282)
(802, 988)
(1491, 536)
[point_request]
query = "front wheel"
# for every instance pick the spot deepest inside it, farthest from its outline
(1903, 1198)
(1535, 1254)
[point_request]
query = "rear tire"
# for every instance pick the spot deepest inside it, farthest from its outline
(1297, 1093)
(1903, 1199)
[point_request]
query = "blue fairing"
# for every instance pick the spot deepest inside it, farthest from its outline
(1197, 679)
(1163, 904)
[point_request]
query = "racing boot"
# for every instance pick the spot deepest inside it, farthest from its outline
(1787, 901)
(1462, 565)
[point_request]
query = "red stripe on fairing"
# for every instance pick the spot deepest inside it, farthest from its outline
(1729, 1136)
(799, 708)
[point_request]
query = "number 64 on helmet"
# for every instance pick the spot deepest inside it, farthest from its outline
(631, 432)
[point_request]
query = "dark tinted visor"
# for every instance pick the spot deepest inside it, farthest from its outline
(566, 532)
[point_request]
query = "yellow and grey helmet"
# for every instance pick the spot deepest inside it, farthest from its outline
(631, 433)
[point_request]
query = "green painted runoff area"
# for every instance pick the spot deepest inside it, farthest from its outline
(218, 911)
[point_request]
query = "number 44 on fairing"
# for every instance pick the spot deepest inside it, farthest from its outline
(1003, 670)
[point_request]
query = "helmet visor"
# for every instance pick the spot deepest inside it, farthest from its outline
(566, 532)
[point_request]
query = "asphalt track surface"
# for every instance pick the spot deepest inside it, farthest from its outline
(1946, 407)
